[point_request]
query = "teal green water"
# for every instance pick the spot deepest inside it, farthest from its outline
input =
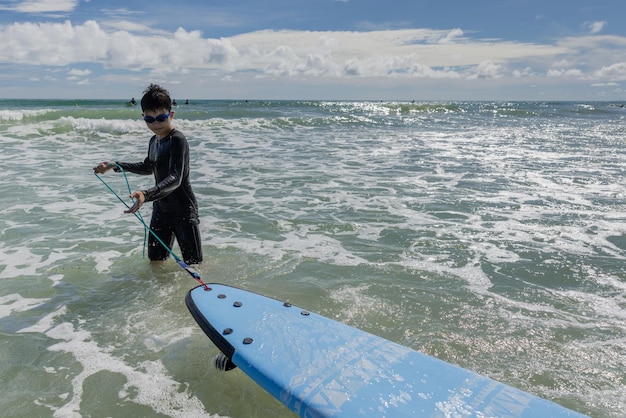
(489, 235)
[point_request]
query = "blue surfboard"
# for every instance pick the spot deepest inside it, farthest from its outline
(318, 367)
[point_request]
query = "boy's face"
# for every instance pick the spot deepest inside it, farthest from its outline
(159, 121)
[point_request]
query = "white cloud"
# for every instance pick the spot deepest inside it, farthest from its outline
(615, 71)
(424, 46)
(453, 35)
(386, 54)
(128, 26)
(55, 44)
(487, 69)
(594, 27)
(78, 73)
(43, 6)
(572, 72)
(523, 72)
(611, 84)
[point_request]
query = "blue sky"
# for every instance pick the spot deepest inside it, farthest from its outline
(316, 49)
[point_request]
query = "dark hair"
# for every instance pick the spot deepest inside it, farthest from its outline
(156, 97)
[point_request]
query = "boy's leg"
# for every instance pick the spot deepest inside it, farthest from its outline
(188, 237)
(156, 250)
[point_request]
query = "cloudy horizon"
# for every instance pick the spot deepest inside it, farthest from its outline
(77, 49)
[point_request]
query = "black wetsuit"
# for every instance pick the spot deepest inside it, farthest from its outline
(175, 210)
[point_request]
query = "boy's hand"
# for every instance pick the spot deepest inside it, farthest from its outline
(103, 167)
(139, 198)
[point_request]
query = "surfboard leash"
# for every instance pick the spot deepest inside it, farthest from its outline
(180, 262)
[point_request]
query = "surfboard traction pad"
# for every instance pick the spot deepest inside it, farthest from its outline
(319, 367)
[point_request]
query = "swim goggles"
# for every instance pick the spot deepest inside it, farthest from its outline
(159, 118)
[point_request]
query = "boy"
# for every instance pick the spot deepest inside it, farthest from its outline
(175, 210)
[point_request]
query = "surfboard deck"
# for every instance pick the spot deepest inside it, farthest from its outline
(318, 367)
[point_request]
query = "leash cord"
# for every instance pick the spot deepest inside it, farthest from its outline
(180, 262)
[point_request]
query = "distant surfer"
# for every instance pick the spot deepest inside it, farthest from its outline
(133, 101)
(175, 210)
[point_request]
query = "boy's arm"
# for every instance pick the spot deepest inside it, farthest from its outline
(144, 167)
(179, 154)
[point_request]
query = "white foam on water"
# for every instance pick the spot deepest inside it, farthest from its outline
(148, 384)
(23, 262)
(105, 259)
(120, 126)
(46, 323)
(56, 279)
(522, 219)
(609, 307)
(10, 304)
(359, 303)
(19, 114)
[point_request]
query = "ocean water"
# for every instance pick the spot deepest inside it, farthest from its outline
(487, 234)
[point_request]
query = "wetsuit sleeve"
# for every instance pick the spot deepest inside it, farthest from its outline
(144, 167)
(179, 154)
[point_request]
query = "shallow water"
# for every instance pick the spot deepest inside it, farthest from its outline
(489, 235)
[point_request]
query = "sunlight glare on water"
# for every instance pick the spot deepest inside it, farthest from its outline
(489, 235)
